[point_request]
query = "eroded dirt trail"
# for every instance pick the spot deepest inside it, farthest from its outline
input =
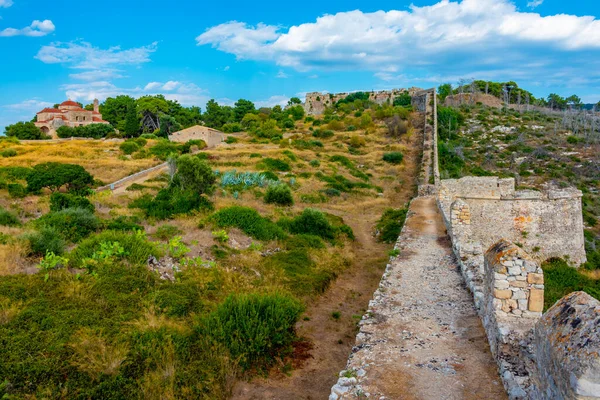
(424, 339)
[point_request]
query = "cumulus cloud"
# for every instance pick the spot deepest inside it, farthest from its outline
(36, 29)
(281, 75)
(5, 3)
(278, 100)
(85, 56)
(446, 37)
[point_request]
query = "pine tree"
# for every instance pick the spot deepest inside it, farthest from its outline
(132, 123)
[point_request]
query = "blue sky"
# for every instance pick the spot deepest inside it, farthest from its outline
(269, 51)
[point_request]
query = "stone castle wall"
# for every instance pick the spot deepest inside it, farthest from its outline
(547, 224)
(316, 102)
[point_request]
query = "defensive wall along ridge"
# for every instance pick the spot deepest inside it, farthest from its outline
(496, 238)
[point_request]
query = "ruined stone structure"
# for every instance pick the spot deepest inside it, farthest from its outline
(316, 102)
(211, 137)
(68, 113)
(547, 224)
(499, 237)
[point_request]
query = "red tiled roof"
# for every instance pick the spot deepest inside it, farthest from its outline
(69, 103)
(96, 119)
(50, 110)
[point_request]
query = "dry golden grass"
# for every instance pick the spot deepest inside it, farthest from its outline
(8, 310)
(100, 158)
(94, 356)
(12, 259)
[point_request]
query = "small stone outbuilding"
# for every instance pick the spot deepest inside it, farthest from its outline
(211, 137)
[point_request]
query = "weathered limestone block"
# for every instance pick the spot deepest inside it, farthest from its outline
(567, 339)
(515, 279)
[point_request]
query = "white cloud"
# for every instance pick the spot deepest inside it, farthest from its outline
(36, 29)
(535, 3)
(280, 100)
(226, 68)
(171, 85)
(281, 75)
(85, 56)
(5, 3)
(187, 94)
(33, 105)
(448, 36)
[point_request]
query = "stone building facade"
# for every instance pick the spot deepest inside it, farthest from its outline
(211, 137)
(68, 113)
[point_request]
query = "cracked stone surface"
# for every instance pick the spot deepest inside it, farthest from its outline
(421, 337)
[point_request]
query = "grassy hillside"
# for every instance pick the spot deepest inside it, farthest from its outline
(84, 312)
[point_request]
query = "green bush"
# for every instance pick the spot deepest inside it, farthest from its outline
(54, 175)
(16, 190)
(94, 131)
(25, 131)
(6, 153)
(393, 158)
(279, 194)
(129, 147)
(312, 222)
(43, 241)
(165, 149)
(304, 241)
(249, 221)
(194, 174)
(137, 248)
(390, 224)
(60, 201)
(270, 175)
(231, 140)
(8, 218)
(561, 279)
(187, 146)
(256, 328)
(123, 223)
(73, 224)
(232, 127)
(170, 202)
(276, 164)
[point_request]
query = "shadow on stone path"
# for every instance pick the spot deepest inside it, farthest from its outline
(423, 338)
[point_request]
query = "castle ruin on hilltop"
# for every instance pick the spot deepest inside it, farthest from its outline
(316, 102)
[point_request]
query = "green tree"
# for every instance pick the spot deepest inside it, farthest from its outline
(404, 100)
(168, 125)
(241, 108)
(194, 174)
(132, 122)
(150, 109)
(556, 101)
(297, 112)
(574, 101)
(25, 131)
(114, 110)
(294, 101)
(444, 91)
(250, 121)
(55, 175)
(216, 116)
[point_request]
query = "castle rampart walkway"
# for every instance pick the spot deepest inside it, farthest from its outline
(422, 337)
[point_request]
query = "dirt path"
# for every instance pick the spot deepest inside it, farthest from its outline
(424, 339)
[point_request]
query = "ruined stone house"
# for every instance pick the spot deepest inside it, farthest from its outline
(210, 136)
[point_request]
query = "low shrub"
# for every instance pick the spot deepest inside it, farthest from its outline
(390, 224)
(165, 149)
(304, 241)
(249, 221)
(6, 153)
(561, 279)
(170, 202)
(8, 218)
(43, 241)
(231, 140)
(257, 329)
(72, 224)
(129, 147)
(312, 222)
(16, 190)
(166, 232)
(61, 201)
(232, 127)
(187, 146)
(323, 133)
(274, 164)
(124, 223)
(393, 158)
(136, 247)
(279, 194)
